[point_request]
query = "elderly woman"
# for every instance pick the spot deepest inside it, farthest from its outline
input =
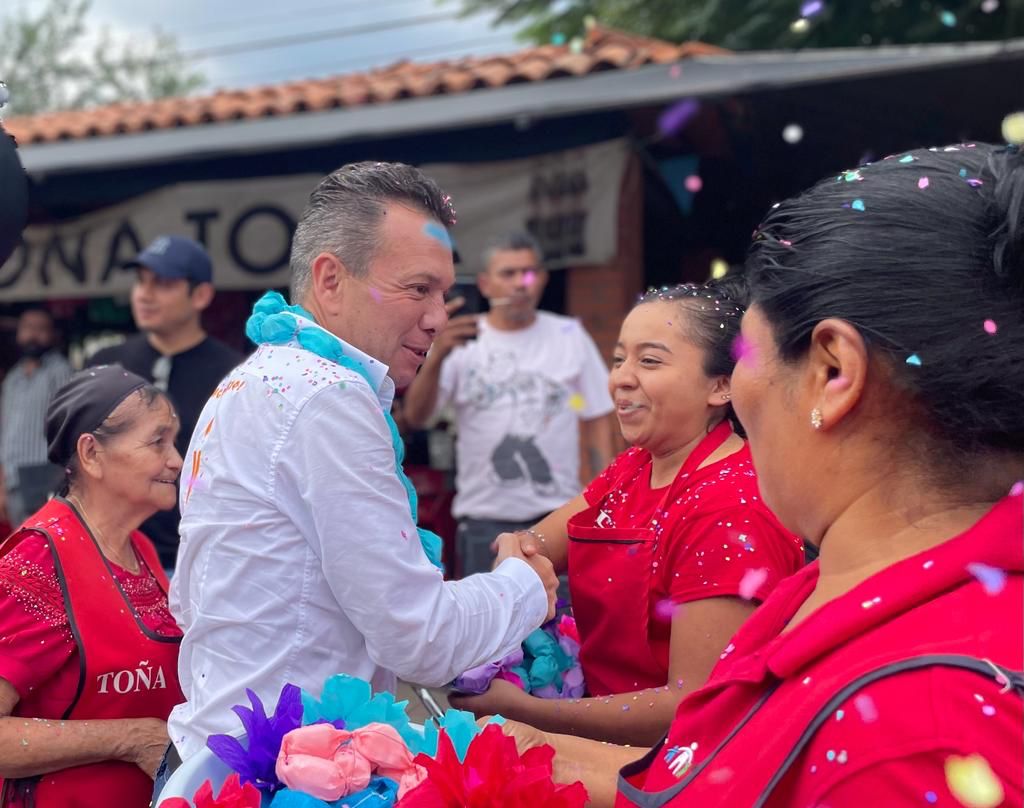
(671, 548)
(88, 648)
(880, 385)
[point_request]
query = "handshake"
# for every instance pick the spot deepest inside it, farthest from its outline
(526, 545)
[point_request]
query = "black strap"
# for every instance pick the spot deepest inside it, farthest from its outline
(983, 667)
(649, 799)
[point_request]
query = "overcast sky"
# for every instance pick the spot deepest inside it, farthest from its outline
(211, 24)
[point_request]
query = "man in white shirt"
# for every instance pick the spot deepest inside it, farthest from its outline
(299, 556)
(528, 388)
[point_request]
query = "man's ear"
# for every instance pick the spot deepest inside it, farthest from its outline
(328, 277)
(202, 296)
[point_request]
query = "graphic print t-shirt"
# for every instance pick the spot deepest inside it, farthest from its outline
(518, 398)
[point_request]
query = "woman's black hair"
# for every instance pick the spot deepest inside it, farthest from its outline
(923, 253)
(711, 320)
(113, 426)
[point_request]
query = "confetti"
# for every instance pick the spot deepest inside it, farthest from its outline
(909, 158)
(800, 26)
(577, 402)
(375, 295)
(742, 349)
(558, 39)
(677, 116)
(922, 183)
(992, 578)
(853, 176)
(752, 580)
(1017, 489)
(866, 709)
(811, 8)
(719, 269)
(793, 134)
(693, 184)
(1013, 128)
(972, 781)
(529, 278)
(914, 359)
(989, 6)
(675, 71)
(975, 183)
(948, 18)
(858, 204)
(665, 610)
(990, 327)
(931, 797)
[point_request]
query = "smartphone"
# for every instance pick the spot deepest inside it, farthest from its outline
(470, 292)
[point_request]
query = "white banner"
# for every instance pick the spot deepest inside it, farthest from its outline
(569, 200)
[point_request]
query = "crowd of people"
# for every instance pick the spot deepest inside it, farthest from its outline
(854, 394)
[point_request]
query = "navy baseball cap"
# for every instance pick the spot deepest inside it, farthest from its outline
(175, 257)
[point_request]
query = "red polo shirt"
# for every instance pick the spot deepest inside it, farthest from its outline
(888, 744)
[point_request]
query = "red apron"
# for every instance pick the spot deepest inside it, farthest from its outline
(127, 671)
(611, 577)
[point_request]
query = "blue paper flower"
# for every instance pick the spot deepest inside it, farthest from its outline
(350, 700)
(461, 728)
(256, 764)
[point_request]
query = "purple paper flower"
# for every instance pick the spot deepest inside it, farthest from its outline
(257, 764)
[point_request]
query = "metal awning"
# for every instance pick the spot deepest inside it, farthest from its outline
(621, 89)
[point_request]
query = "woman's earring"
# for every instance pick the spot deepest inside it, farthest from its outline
(726, 396)
(816, 418)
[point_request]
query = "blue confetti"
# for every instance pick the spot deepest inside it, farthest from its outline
(992, 579)
(914, 359)
(858, 204)
(931, 797)
(908, 158)
(948, 19)
(435, 230)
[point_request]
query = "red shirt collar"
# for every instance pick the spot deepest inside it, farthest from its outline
(996, 540)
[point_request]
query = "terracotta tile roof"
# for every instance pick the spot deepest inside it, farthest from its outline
(603, 49)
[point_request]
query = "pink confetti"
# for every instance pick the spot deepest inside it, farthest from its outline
(666, 609)
(693, 184)
(752, 580)
(990, 327)
(529, 278)
(675, 71)
(375, 295)
(866, 709)
(741, 348)
(992, 579)
(922, 183)
(1017, 489)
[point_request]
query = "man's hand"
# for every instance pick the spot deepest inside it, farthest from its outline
(459, 330)
(513, 545)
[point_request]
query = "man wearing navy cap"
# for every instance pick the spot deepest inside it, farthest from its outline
(173, 286)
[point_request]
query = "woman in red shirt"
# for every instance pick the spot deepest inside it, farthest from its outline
(670, 549)
(88, 648)
(880, 385)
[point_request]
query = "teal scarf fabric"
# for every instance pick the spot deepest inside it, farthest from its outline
(273, 322)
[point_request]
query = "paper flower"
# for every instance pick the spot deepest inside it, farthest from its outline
(233, 794)
(460, 727)
(381, 793)
(493, 774)
(328, 763)
(256, 763)
(350, 700)
(476, 680)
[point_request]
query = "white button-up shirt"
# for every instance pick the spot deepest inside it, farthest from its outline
(299, 558)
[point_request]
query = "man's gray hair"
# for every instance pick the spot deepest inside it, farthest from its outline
(344, 214)
(512, 240)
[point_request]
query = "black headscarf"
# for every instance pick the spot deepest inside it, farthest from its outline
(81, 405)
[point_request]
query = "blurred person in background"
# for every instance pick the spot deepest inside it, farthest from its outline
(529, 389)
(27, 391)
(173, 287)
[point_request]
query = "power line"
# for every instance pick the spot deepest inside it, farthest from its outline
(313, 36)
(369, 61)
(296, 13)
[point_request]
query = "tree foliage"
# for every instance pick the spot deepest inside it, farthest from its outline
(768, 24)
(49, 62)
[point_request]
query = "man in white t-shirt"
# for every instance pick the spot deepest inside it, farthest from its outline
(528, 388)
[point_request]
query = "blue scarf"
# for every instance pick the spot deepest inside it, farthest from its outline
(273, 322)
